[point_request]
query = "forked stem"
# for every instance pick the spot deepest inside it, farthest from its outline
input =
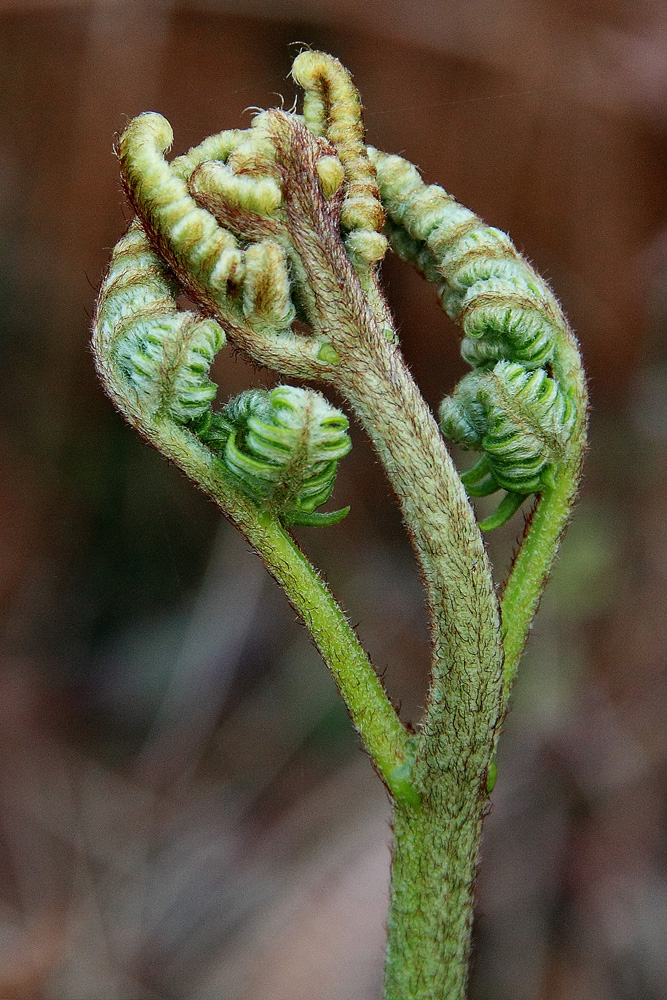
(286, 220)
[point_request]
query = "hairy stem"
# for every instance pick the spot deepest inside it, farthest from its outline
(532, 566)
(436, 848)
(432, 892)
(372, 713)
(467, 650)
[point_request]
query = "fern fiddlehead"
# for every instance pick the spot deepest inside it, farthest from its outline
(512, 407)
(276, 233)
(521, 420)
(244, 282)
(283, 447)
(268, 459)
(163, 353)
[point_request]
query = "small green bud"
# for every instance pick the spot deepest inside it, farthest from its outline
(283, 449)
(331, 174)
(328, 353)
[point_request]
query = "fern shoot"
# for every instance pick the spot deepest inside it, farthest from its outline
(276, 233)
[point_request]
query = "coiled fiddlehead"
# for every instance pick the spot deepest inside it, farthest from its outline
(164, 354)
(332, 110)
(283, 447)
(243, 280)
(512, 406)
(520, 419)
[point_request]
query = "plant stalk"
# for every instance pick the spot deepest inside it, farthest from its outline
(432, 894)
(382, 733)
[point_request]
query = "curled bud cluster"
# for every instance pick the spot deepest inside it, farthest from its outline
(283, 447)
(284, 220)
(275, 234)
(237, 224)
(511, 407)
(165, 354)
(520, 420)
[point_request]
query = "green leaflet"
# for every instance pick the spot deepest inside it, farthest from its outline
(283, 447)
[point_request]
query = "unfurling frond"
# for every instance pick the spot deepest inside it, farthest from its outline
(512, 406)
(283, 447)
(164, 354)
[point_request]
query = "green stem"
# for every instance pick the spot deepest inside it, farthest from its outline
(530, 573)
(436, 848)
(432, 893)
(377, 723)
(385, 738)
(532, 566)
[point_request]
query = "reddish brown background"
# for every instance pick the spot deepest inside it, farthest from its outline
(184, 811)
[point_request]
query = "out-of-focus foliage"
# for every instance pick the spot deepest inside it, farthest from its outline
(185, 809)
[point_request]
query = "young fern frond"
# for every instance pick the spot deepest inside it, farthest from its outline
(243, 280)
(164, 354)
(512, 407)
(505, 310)
(288, 220)
(332, 110)
(283, 446)
(167, 358)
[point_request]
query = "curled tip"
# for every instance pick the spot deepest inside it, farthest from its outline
(314, 71)
(255, 194)
(367, 244)
(149, 127)
(332, 109)
(311, 66)
(266, 287)
(215, 147)
(283, 449)
(331, 174)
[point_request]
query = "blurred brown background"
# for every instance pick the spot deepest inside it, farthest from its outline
(185, 813)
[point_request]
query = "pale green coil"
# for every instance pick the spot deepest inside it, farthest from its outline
(165, 354)
(283, 447)
(173, 354)
(506, 312)
(520, 419)
(510, 407)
